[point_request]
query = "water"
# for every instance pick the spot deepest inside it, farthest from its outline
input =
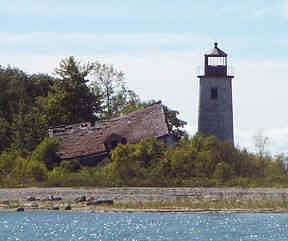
(44, 226)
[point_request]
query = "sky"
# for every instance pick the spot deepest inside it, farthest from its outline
(159, 45)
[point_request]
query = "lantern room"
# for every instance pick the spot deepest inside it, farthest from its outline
(216, 62)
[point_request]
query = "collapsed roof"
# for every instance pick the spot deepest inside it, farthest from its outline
(86, 140)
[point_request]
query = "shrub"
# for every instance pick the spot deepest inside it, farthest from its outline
(37, 171)
(71, 165)
(222, 171)
(46, 152)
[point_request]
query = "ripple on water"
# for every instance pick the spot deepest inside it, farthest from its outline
(58, 226)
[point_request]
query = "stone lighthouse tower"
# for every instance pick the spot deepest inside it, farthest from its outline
(215, 102)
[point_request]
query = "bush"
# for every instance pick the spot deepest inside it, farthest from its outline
(222, 171)
(24, 172)
(196, 162)
(46, 152)
(7, 161)
(37, 171)
(71, 165)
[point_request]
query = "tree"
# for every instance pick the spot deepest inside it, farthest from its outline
(125, 101)
(71, 165)
(260, 143)
(118, 99)
(69, 99)
(124, 166)
(41, 84)
(73, 71)
(109, 82)
(19, 92)
(222, 171)
(7, 161)
(174, 124)
(5, 137)
(46, 152)
(134, 164)
(183, 162)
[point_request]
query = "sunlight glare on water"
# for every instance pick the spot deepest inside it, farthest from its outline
(122, 226)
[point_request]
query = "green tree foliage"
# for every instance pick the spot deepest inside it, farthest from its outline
(69, 99)
(46, 152)
(19, 93)
(27, 171)
(73, 71)
(71, 165)
(125, 101)
(109, 82)
(29, 104)
(7, 161)
(37, 171)
(125, 166)
(136, 163)
(19, 170)
(5, 137)
(175, 125)
(199, 161)
(222, 171)
(117, 99)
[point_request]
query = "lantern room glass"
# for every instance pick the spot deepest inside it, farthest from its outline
(217, 61)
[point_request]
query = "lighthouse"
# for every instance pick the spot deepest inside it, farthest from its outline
(215, 99)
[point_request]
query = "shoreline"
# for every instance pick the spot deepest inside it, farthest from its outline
(182, 211)
(147, 199)
(146, 193)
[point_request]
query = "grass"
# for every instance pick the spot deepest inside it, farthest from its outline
(206, 205)
(167, 205)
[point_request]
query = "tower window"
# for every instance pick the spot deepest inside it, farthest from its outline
(214, 93)
(217, 61)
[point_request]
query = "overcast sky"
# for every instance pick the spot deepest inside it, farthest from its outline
(159, 45)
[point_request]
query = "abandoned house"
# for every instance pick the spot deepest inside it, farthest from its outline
(92, 143)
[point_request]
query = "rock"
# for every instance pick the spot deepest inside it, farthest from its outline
(32, 199)
(57, 199)
(20, 209)
(101, 202)
(67, 208)
(81, 199)
(52, 198)
(55, 208)
(90, 199)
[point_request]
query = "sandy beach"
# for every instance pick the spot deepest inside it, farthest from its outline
(143, 199)
(142, 194)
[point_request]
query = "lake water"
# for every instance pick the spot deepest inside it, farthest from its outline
(44, 226)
